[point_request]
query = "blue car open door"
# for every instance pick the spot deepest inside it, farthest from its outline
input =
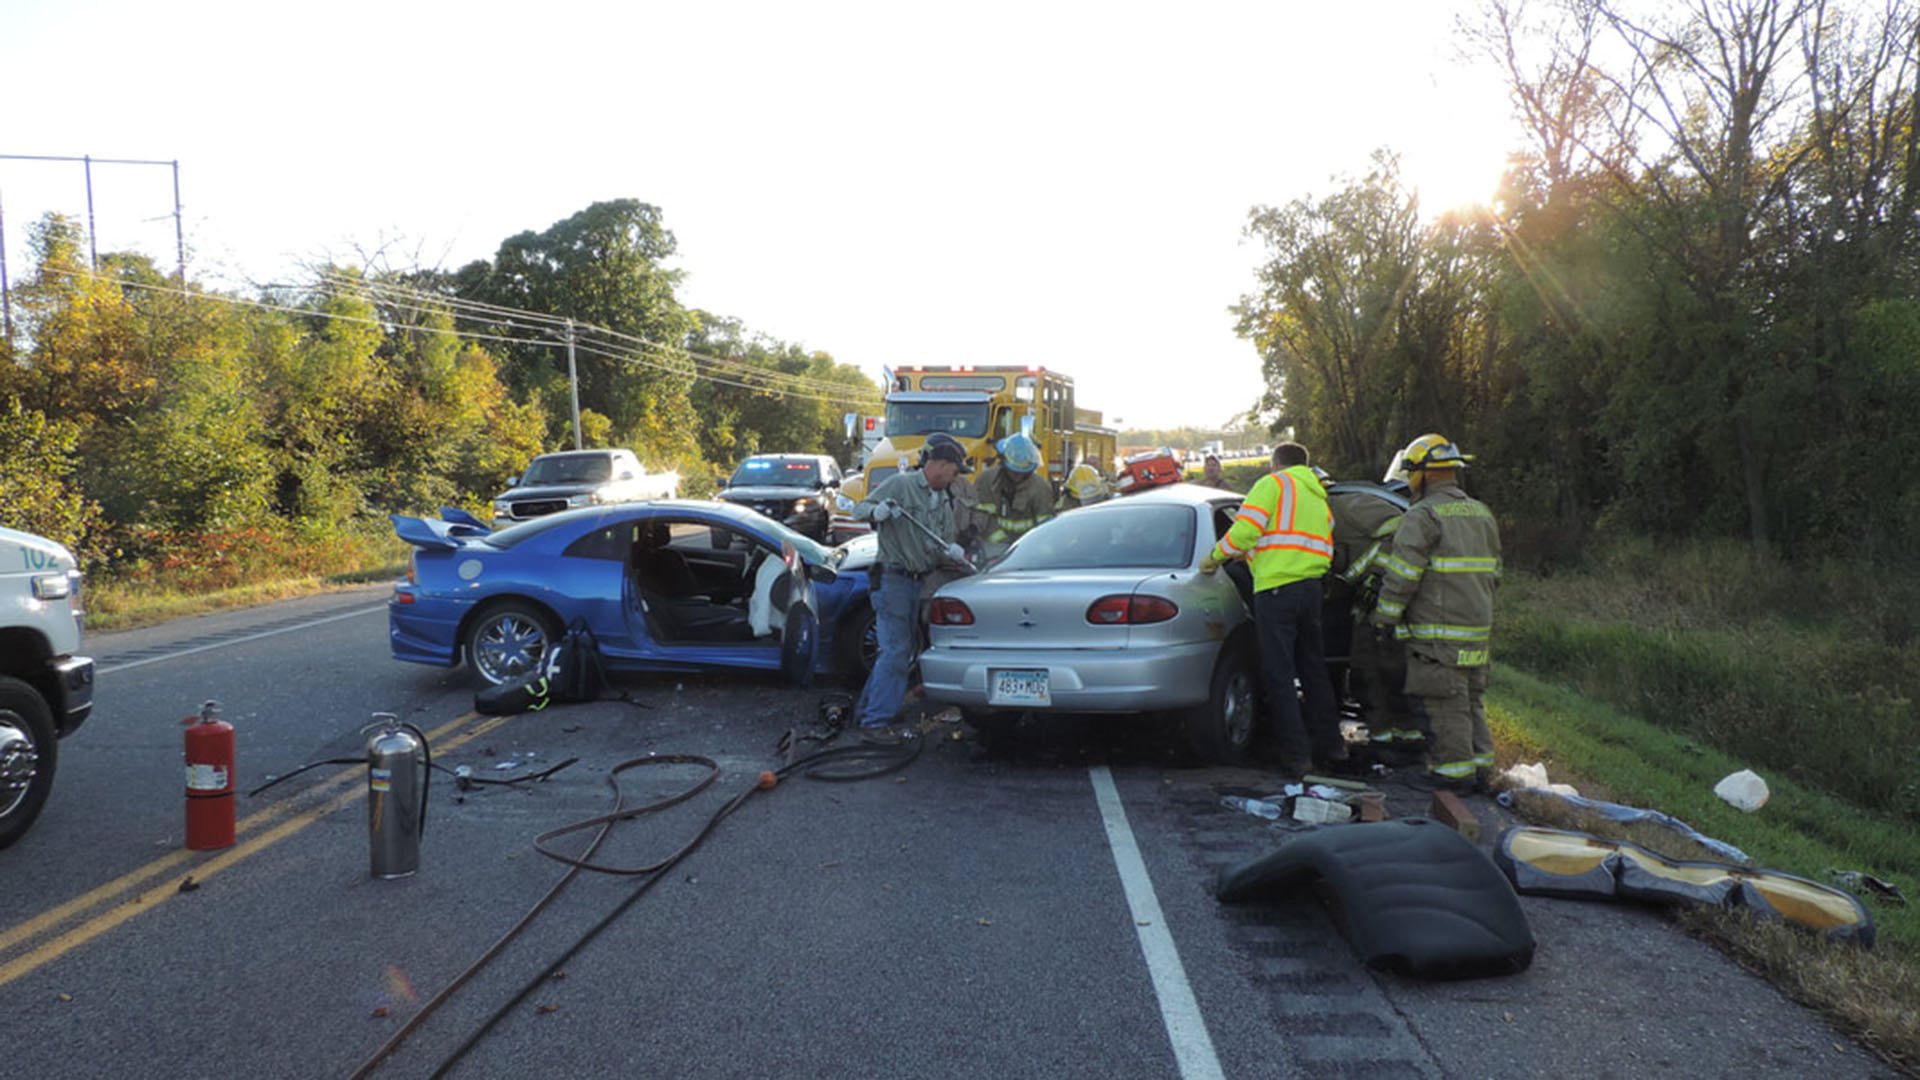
(800, 621)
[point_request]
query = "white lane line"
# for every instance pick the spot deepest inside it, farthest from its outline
(1186, 1028)
(238, 640)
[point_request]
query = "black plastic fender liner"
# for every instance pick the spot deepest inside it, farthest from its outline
(1414, 896)
(1560, 862)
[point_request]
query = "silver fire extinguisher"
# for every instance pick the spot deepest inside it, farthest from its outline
(398, 766)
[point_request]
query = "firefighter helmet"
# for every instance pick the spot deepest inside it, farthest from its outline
(1086, 484)
(1018, 453)
(1427, 455)
(1432, 452)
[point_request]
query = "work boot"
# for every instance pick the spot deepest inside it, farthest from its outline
(1424, 781)
(886, 735)
(1339, 763)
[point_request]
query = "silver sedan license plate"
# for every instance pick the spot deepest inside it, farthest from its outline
(1019, 687)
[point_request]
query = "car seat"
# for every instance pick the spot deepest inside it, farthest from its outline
(675, 607)
(663, 572)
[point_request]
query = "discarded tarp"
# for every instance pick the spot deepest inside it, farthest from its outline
(1556, 862)
(1613, 811)
(1414, 896)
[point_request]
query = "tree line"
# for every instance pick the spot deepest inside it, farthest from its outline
(134, 410)
(1692, 310)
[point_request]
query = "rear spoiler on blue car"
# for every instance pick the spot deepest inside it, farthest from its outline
(460, 517)
(446, 534)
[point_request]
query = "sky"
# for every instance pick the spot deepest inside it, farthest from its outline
(893, 183)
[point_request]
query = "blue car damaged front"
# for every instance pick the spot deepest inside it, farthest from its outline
(665, 586)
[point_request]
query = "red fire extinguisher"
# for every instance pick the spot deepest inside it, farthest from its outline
(209, 756)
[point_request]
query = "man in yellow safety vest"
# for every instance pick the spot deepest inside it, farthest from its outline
(1285, 532)
(1437, 596)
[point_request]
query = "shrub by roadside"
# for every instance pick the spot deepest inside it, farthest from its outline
(1810, 672)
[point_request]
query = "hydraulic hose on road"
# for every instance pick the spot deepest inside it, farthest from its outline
(881, 761)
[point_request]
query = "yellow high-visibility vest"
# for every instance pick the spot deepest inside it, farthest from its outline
(1284, 529)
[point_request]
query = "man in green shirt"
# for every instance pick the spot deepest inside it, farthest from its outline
(913, 520)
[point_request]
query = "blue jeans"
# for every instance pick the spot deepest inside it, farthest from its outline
(896, 611)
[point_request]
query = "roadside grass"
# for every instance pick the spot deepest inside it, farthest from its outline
(1611, 755)
(191, 575)
(119, 606)
(1812, 672)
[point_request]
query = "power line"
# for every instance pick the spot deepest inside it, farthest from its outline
(833, 395)
(456, 305)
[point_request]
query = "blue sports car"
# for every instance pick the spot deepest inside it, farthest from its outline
(665, 586)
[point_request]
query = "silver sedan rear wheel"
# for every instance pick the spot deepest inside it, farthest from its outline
(1221, 728)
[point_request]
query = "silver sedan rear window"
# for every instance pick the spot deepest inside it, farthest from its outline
(1154, 536)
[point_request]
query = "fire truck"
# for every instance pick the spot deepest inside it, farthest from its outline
(980, 405)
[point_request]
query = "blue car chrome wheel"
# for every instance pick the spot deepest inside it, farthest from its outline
(509, 641)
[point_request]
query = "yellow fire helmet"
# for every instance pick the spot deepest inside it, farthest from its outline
(1086, 484)
(1433, 452)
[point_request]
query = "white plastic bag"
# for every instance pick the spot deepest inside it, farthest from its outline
(1743, 789)
(1534, 775)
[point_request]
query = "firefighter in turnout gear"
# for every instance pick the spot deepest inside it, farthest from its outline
(1437, 596)
(1285, 532)
(1012, 496)
(1085, 486)
(1363, 527)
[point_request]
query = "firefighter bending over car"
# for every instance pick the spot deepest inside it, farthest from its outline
(1285, 532)
(1437, 597)
(1013, 496)
(914, 520)
(1084, 487)
(1363, 526)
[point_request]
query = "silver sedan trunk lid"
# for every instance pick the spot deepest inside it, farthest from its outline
(1040, 609)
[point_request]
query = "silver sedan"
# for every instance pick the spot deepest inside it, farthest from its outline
(1104, 610)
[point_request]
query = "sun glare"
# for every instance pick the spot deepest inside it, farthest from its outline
(1453, 177)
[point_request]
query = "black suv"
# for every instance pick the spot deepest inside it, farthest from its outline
(796, 490)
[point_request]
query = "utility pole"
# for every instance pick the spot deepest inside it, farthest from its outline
(87, 160)
(573, 381)
(6, 291)
(93, 245)
(179, 233)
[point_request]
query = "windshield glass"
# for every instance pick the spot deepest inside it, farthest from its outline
(1154, 536)
(571, 469)
(961, 419)
(776, 472)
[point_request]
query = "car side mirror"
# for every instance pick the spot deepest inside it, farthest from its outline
(823, 575)
(626, 474)
(723, 484)
(833, 483)
(513, 481)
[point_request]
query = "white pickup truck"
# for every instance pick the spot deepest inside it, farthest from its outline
(555, 482)
(46, 690)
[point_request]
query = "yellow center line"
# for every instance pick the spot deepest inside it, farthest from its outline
(152, 898)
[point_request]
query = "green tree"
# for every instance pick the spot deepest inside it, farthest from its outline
(601, 267)
(36, 477)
